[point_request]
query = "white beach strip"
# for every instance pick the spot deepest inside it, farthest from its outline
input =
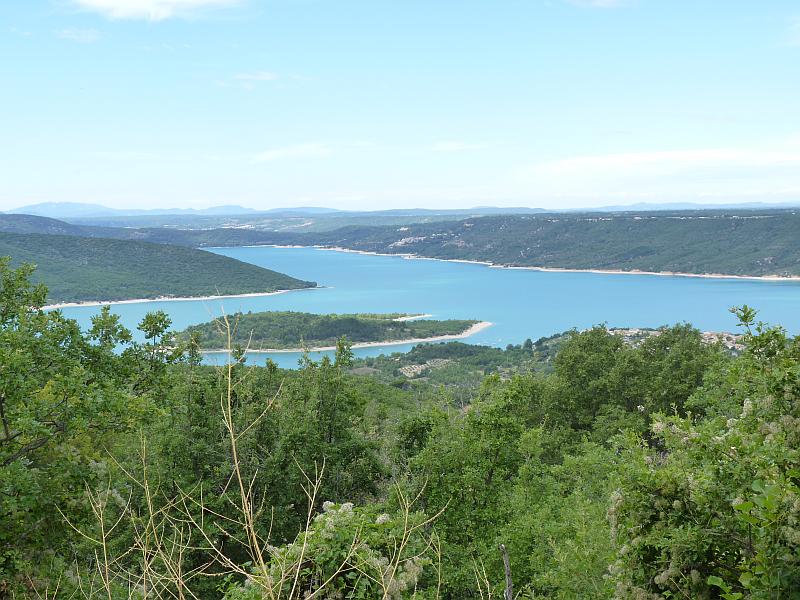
(413, 317)
(439, 338)
(659, 273)
(175, 298)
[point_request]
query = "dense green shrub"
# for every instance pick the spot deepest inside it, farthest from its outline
(711, 507)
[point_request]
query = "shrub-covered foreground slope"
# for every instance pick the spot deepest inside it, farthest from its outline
(286, 329)
(130, 470)
(83, 269)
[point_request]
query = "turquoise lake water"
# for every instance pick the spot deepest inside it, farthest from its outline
(521, 303)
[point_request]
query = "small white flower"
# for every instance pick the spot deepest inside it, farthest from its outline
(747, 408)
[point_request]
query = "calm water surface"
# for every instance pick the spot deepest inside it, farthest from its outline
(521, 304)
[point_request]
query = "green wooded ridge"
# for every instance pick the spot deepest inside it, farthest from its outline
(97, 269)
(128, 469)
(745, 242)
(288, 329)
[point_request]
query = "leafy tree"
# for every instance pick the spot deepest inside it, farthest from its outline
(584, 365)
(710, 508)
(466, 470)
(63, 402)
(558, 535)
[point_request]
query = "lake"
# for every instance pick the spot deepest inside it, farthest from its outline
(521, 303)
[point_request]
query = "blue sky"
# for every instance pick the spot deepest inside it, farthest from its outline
(381, 104)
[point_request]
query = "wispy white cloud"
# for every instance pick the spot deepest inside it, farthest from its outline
(21, 32)
(666, 161)
(455, 146)
(793, 38)
(152, 10)
(769, 169)
(81, 36)
(599, 3)
(126, 155)
(307, 150)
(256, 76)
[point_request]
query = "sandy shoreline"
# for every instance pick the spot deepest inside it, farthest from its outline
(414, 317)
(409, 256)
(659, 273)
(174, 298)
(439, 338)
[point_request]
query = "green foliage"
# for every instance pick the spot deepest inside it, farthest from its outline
(711, 506)
(664, 469)
(584, 366)
(459, 368)
(466, 470)
(317, 420)
(64, 399)
(513, 469)
(557, 530)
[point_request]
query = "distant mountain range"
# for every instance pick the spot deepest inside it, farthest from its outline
(63, 210)
(79, 210)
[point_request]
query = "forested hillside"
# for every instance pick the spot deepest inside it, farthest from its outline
(460, 368)
(691, 242)
(666, 470)
(82, 269)
(746, 242)
(287, 329)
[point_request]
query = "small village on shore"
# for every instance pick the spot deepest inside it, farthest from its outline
(634, 336)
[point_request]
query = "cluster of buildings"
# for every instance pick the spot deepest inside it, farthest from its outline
(633, 336)
(412, 371)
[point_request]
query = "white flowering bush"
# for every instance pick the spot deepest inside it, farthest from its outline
(711, 508)
(347, 552)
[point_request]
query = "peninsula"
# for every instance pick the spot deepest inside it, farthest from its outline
(287, 331)
(92, 270)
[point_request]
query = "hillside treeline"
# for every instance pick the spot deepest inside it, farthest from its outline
(130, 470)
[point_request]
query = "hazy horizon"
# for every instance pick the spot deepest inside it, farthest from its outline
(132, 210)
(554, 104)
